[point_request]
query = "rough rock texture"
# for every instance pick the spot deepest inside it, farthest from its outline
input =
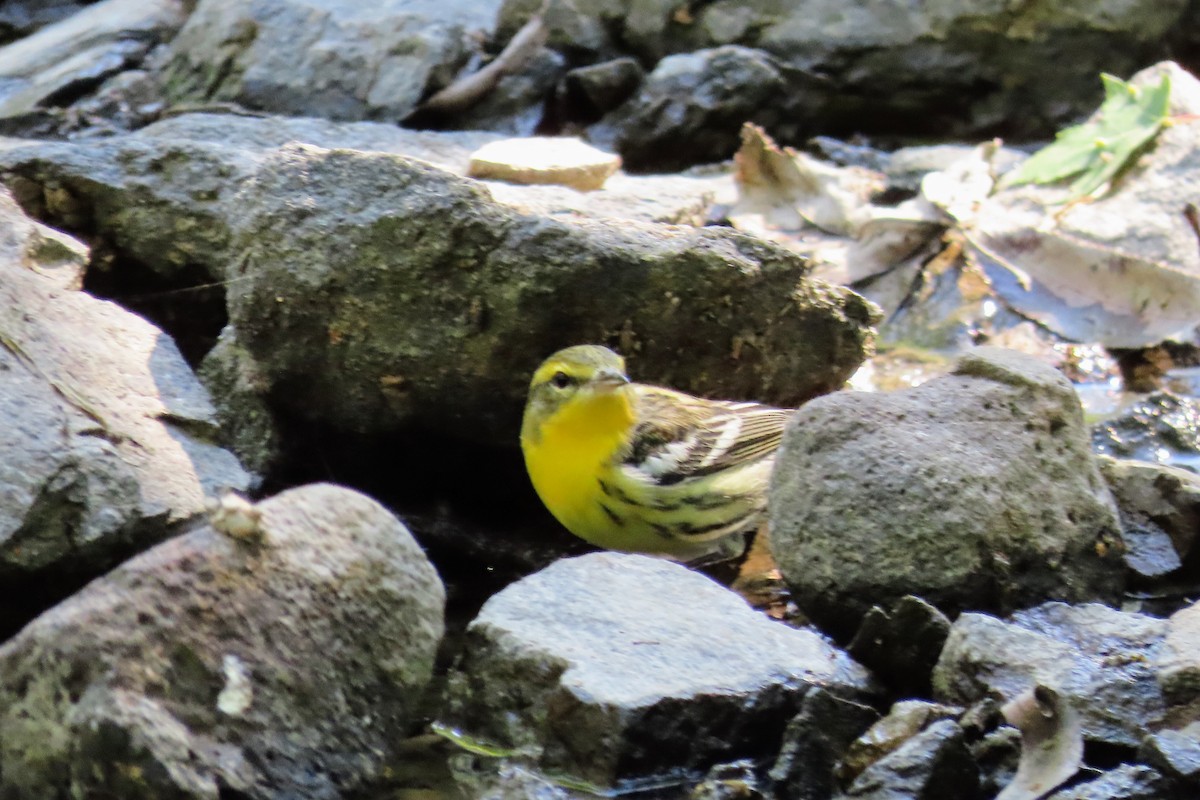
(1179, 664)
(164, 195)
(1175, 753)
(398, 294)
(73, 56)
(901, 645)
(19, 18)
(814, 743)
(951, 69)
(107, 444)
(934, 763)
(904, 720)
(1126, 782)
(591, 668)
(280, 666)
(972, 491)
(1160, 512)
(1099, 660)
(324, 58)
(391, 290)
(691, 107)
(1161, 427)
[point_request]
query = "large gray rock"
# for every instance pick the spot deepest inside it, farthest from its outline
(972, 491)
(1101, 661)
(598, 668)
(107, 444)
(325, 58)
(165, 195)
(68, 58)
(392, 291)
(285, 664)
(335, 263)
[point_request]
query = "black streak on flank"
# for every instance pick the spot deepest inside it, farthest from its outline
(618, 521)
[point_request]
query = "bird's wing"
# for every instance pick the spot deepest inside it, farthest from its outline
(679, 437)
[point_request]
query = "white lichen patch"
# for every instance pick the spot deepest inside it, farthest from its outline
(235, 516)
(238, 693)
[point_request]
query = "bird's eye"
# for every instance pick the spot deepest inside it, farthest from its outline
(561, 380)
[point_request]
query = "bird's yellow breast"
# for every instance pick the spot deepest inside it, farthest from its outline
(568, 453)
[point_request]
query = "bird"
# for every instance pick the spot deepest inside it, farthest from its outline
(646, 469)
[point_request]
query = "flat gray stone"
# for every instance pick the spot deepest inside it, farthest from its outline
(619, 669)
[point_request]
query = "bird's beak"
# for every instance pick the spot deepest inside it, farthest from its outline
(608, 379)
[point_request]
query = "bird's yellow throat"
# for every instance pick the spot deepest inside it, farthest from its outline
(568, 451)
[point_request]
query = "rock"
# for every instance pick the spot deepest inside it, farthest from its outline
(901, 646)
(814, 743)
(998, 755)
(360, 310)
(517, 104)
(1159, 428)
(956, 70)
(1175, 754)
(590, 92)
(544, 159)
(904, 720)
(1160, 512)
(1126, 782)
(707, 311)
(71, 57)
(1178, 663)
(590, 669)
(935, 763)
(248, 427)
(40, 248)
(19, 18)
(285, 668)
(165, 196)
(878, 496)
(691, 107)
(1101, 661)
(333, 59)
(108, 436)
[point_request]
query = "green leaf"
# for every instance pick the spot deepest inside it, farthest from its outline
(1097, 150)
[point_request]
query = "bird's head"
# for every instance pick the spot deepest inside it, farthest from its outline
(586, 378)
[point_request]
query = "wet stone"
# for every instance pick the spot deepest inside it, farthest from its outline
(904, 721)
(933, 764)
(1126, 782)
(1175, 753)
(1099, 659)
(1178, 661)
(902, 645)
(1162, 427)
(592, 669)
(814, 743)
